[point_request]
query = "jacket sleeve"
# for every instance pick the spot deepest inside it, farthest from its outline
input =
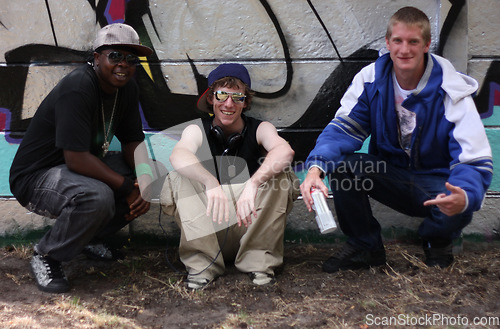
(471, 165)
(346, 133)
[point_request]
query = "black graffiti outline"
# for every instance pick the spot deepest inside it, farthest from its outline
(51, 22)
(326, 29)
(286, 52)
(449, 23)
(303, 122)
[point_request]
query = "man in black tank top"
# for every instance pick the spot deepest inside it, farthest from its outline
(238, 201)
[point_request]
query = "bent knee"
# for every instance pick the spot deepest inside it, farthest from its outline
(97, 199)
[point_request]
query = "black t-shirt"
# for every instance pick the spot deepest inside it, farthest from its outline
(70, 118)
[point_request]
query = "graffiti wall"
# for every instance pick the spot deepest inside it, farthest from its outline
(301, 54)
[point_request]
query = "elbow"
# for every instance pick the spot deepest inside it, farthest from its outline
(291, 155)
(76, 161)
(172, 159)
(72, 165)
(71, 162)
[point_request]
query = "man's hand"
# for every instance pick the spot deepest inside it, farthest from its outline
(218, 204)
(313, 179)
(138, 206)
(245, 207)
(451, 204)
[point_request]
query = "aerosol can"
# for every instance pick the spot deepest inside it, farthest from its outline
(324, 217)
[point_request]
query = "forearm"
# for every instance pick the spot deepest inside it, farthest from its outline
(189, 166)
(86, 164)
(135, 153)
(275, 162)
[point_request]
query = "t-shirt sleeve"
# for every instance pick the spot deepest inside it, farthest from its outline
(73, 116)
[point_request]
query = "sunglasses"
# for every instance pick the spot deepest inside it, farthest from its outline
(222, 96)
(116, 57)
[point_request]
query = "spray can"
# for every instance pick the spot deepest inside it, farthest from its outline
(324, 217)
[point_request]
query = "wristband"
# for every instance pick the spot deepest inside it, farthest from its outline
(143, 169)
(126, 188)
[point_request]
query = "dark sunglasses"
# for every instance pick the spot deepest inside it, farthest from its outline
(222, 96)
(116, 57)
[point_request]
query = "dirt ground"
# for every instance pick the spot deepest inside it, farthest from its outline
(141, 291)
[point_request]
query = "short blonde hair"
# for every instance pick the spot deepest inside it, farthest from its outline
(413, 17)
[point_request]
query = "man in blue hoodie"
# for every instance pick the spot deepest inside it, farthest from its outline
(428, 154)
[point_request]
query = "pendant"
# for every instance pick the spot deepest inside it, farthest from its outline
(105, 148)
(231, 171)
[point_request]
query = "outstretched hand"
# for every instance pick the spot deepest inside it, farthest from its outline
(451, 204)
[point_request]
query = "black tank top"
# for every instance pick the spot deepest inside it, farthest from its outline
(232, 162)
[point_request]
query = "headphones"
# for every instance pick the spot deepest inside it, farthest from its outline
(232, 142)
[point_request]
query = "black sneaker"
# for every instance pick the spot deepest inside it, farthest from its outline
(350, 258)
(438, 252)
(101, 251)
(49, 274)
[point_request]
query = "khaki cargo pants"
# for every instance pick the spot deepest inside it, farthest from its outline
(258, 248)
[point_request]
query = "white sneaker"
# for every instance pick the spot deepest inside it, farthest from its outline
(196, 283)
(262, 278)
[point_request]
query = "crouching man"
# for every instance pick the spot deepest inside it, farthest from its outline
(428, 156)
(230, 192)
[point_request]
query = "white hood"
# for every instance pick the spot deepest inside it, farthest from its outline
(455, 84)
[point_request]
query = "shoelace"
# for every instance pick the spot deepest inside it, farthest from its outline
(54, 268)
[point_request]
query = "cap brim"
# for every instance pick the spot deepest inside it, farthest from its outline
(202, 102)
(140, 50)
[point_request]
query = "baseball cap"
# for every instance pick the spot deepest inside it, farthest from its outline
(119, 34)
(224, 70)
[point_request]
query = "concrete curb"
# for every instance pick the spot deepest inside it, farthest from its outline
(17, 223)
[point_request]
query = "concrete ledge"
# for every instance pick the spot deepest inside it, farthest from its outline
(17, 224)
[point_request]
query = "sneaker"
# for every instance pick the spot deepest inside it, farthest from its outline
(350, 258)
(438, 252)
(101, 251)
(196, 283)
(262, 278)
(49, 274)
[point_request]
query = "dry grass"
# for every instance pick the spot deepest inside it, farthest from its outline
(142, 292)
(75, 314)
(21, 251)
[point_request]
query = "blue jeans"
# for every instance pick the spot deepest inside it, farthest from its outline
(85, 208)
(363, 175)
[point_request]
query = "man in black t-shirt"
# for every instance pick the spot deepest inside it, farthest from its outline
(62, 168)
(224, 215)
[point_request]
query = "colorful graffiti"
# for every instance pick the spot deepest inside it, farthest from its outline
(302, 58)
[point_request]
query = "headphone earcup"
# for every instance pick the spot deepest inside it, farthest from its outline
(234, 141)
(218, 135)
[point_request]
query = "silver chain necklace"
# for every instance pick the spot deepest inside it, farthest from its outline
(105, 145)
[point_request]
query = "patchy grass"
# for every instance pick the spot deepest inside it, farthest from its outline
(141, 291)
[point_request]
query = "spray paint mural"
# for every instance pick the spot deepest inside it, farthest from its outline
(301, 54)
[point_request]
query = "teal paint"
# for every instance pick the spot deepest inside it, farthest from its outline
(8, 152)
(494, 135)
(162, 147)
